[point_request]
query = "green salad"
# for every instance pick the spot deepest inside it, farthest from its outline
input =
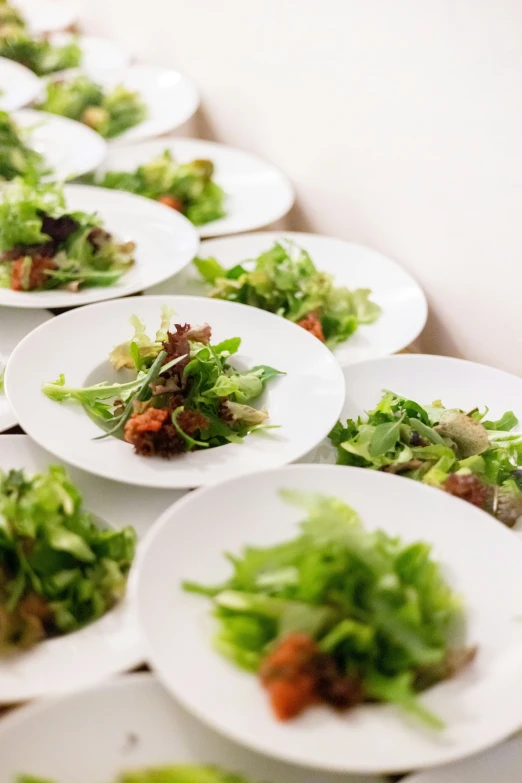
(464, 453)
(339, 615)
(109, 112)
(185, 394)
(38, 54)
(285, 281)
(11, 20)
(17, 159)
(44, 246)
(58, 569)
(186, 187)
(174, 773)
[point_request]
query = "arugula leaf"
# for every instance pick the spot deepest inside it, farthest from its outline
(505, 423)
(385, 437)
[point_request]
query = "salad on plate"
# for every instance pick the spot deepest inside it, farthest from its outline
(285, 281)
(38, 54)
(43, 246)
(59, 569)
(17, 158)
(110, 112)
(183, 394)
(339, 616)
(174, 773)
(462, 452)
(187, 187)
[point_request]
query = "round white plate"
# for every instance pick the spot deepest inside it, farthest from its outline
(305, 402)
(502, 764)
(69, 148)
(257, 192)
(110, 645)
(480, 707)
(403, 303)
(424, 379)
(165, 241)
(171, 98)
(18, 85)
(46, 16)
(96, 52)
(14, 326)
(131, 722)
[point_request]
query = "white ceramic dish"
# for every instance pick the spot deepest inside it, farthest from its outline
(257, 192)
(46, 16)
(165, 241)
(131, 722)
(18, 85)
(480, 707)
(170, 97)
(14, 326)
(110, 645)
(305, 402)
(424, 379)
(403, 303)
(69, 148)
(502, 764)
(96, 52)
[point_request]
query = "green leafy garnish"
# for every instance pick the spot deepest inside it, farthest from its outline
(17, 159)
(186, 187)
(174, 773)
(59, 569)
(110, 112)
(378, 608)
(473, 458)
(285, 281)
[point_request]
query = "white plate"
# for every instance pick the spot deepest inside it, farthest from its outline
(171, 98)
(258, 193)
(110, 645)
(501, 765)
(305, 402)
(480, 707)
(46, 16)
(69, 148)
(403, 303)
(165, 241)
(18, 85)
(131, 722)
(14, 326)
(96, 52)
(424, 379)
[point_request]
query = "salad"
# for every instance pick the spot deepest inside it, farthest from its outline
(285, 281)
(11, 20)
(109, 112)
(175, 773)
(38, 54)
(185, 395)
(16, 158)
(58, 569)
(186, 187)
(44, 246)
(461, 452)
(339, 615)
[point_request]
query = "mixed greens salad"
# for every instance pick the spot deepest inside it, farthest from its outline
(175, 773)
(339, 615)
(109, 112)
(11, 20)
(38, 54)
(186, 187)
(58, 569)
(465, 454)
(17, 159)
(285, 281)
(185, 394)
(44, 246)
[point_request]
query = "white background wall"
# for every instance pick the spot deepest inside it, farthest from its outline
(399, 122)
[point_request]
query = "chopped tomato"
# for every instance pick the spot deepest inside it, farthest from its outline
(172, 202)
(313, 325)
